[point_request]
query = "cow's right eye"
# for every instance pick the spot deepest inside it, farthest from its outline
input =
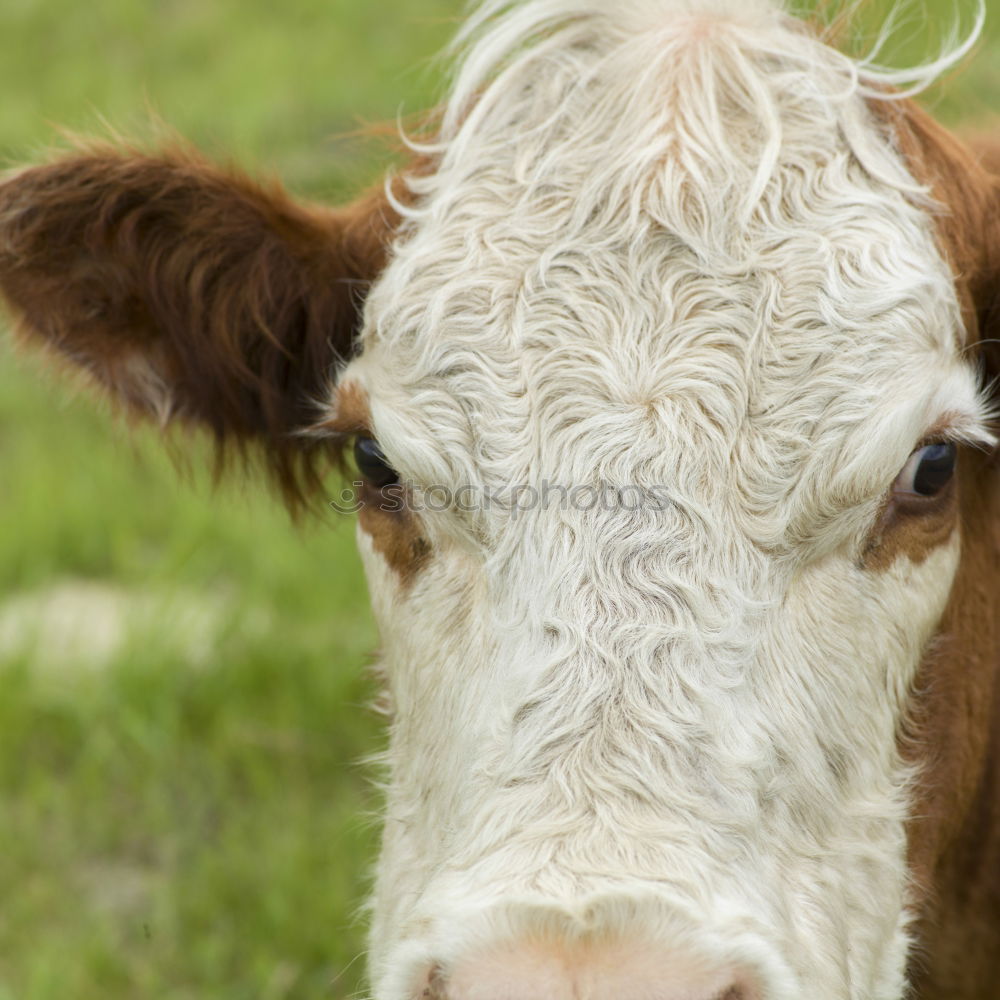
(372, 464)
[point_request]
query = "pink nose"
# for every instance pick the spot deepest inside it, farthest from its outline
(598, 972)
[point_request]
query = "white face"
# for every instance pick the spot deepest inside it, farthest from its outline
(683, 262)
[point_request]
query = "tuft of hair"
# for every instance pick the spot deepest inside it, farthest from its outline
(193, 293)
(499, 33)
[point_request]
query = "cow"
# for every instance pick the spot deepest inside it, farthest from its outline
(692, 321)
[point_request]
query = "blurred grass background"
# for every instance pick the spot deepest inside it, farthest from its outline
(182, 686)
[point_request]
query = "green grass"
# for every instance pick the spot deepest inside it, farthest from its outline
(274, 88)
(189, 820)
(176, 825)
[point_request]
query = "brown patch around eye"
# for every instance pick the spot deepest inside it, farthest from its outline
(385, 514)
(352, 415)
(911, 526)
(395, 531)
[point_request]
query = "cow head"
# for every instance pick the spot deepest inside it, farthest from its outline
(667, 396)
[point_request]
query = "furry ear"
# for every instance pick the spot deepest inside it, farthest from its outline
(964, 177)
(986, 149)
(193, 293)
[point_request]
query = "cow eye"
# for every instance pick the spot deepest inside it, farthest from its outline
(928, 471)
(372, 465)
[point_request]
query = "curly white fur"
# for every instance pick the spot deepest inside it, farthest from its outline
(667, 244)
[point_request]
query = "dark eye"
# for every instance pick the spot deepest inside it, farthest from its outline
(928, 471)
(372, 465)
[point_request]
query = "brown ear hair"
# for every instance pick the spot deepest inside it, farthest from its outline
(193, 293)
(964, 177)
(986, 149)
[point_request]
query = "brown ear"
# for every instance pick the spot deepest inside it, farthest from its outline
(986, 149)
(964, 177)
(193, 293)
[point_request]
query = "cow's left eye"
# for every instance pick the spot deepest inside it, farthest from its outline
(928, 471)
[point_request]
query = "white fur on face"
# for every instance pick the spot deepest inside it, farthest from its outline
(666, 247)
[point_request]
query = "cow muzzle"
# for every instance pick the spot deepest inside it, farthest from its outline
(610, 948)
(548, 971)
